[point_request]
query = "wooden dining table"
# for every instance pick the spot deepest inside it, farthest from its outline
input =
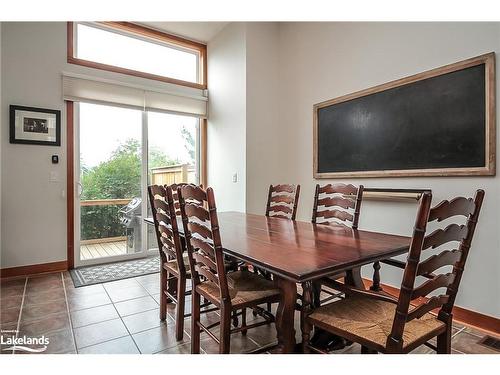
(297, 252)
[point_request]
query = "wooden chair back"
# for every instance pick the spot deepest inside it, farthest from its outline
(415, 266)
(337, 204)
(201, 230)
(282, 201)
(176, 195)
(165, 222)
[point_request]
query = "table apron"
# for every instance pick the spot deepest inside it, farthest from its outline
(314, 275)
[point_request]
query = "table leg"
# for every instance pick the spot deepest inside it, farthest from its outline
(307, 304)
(285, 315)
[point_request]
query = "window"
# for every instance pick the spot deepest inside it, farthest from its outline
(135, 50)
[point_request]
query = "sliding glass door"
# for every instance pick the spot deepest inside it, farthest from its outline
(120, 151)
(173, 155)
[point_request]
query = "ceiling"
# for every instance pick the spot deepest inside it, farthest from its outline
(199, 31)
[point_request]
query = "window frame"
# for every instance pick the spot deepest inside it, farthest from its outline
(142, 33)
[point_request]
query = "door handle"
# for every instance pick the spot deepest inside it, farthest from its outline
(80, 189)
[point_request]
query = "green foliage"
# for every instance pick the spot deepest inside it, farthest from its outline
(100, 222)
(119, 177)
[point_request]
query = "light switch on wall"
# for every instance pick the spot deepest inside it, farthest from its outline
(54, 176)
(235, 177)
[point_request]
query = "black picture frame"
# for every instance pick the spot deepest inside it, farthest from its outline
(13, 138)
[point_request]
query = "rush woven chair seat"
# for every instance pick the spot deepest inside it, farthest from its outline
(382, 323)
(245, 288)
(173, 266)
(231, 292)
(371, 320)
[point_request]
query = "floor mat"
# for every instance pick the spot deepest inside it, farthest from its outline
(104, 273)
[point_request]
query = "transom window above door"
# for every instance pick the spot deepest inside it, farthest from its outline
(132, 49)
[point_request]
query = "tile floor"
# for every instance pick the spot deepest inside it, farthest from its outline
(122, 317)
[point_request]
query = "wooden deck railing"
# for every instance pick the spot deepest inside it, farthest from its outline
(103, 240)
(105, 202)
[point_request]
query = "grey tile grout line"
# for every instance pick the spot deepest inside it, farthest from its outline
(459, 331)
(187, 334)
(129, 334)
(116, 338)
(20, 313)
(484, 333)
(171, 317)
(168, 313)
(118, 314)
(107, 320)
(69, 315)
(105, 341)
(121, 320)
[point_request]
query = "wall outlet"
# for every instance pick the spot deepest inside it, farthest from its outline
(235, 177)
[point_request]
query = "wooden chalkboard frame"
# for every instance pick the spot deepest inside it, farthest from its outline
(490, 124)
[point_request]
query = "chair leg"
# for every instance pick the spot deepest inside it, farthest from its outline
(244, 321)
(181, 301)
(235, 319)
(316, 290)
(171, 285)
(225, 330)
(163, 297)
(444, 342)
(195, 318)
(444, 339)
(366, 350)
(269, 307)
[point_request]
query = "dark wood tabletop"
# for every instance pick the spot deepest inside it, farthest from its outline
(299, 252)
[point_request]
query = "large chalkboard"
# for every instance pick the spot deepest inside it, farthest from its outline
(439, 122)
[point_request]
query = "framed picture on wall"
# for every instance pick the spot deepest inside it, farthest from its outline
(35, 126)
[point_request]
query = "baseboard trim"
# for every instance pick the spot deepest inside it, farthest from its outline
(34, 269)
(460, 314)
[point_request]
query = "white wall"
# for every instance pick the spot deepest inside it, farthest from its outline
(33, 210)
(320, 61)
(227, 116)
(33, 215)
(265, 163)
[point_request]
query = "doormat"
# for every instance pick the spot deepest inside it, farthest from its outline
(104, 273)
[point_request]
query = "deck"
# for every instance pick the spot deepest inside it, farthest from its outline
(103, 249)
